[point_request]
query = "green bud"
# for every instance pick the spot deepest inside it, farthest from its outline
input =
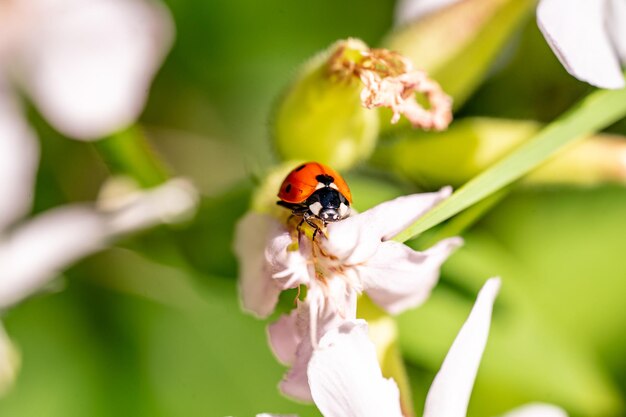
(452, 157)
(320, 117)
(458, 44)
(469, 146)
(598, 160)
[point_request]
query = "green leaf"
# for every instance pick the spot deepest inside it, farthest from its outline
(529, 356)
(593, 113)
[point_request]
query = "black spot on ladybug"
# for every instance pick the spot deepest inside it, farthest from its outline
(325, 179)
(300, 168)
(288, 188)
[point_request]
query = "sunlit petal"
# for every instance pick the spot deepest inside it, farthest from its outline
(345, 377)
(88, 65)
(19, 153)
(398, 278)
(576, 32)
(357, 238)
(324, 309)
(450, 391)
(284, 256)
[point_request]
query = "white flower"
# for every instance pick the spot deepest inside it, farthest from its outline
(35, 251)
(86, 64)
(346, 380)
(587, 36)
(356, 256)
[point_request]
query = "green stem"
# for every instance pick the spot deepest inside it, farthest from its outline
(129, 153)
(594, 112)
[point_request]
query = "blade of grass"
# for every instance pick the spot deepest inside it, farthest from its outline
(459, 224)
(594, 112)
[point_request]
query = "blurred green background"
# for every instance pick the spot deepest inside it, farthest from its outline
(152, 327)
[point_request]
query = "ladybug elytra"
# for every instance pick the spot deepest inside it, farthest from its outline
(313, 190)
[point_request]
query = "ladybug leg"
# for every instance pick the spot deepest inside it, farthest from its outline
(316, 228)
(307, 218)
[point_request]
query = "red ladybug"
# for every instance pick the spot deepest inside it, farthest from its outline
(315, 190)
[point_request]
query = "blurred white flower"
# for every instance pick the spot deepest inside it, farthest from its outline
(357, 255)
(346, 380)
(86, 64)
(587, 36)
(33, 252)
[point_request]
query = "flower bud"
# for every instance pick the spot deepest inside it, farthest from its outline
(320, 117)
(470, 146)
(457, 44)
(433, 160)
(326, 115)
(597, 160)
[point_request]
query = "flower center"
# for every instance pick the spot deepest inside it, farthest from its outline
(328, 266)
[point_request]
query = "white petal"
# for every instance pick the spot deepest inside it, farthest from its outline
(537, 410)
(9, 361)
(284, 337)
(88, 65)
(450, 391)
(345, 377)
(288, 262)
(398, 278)
(36, 252)
(324, 309)
(19, 153)
(357, 238)
(171, 202)
(616, 23)
(576, 32)
(408, 11)
(257, 289)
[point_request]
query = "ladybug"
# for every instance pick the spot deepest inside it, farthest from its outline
(315, 191)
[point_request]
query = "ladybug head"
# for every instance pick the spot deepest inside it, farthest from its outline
(328, 204)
